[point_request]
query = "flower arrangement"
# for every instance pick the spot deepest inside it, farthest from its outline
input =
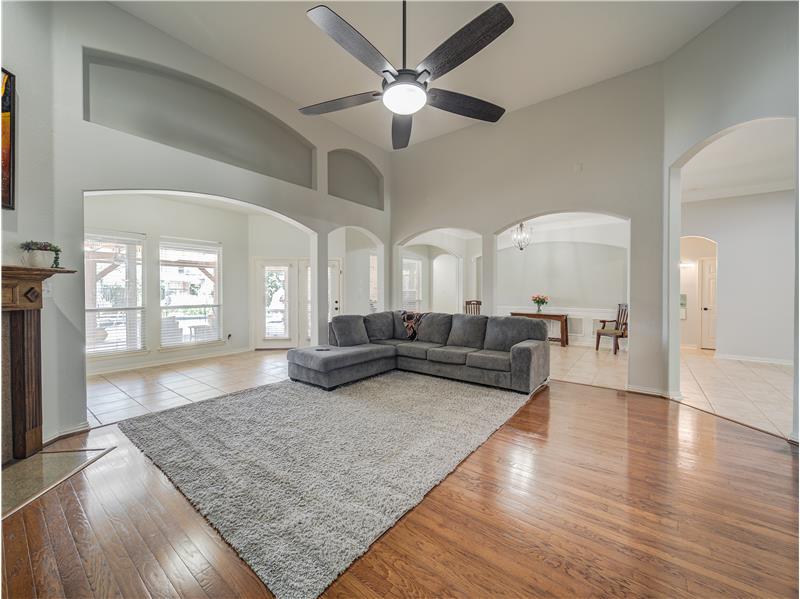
(540, 300)
(42, 246)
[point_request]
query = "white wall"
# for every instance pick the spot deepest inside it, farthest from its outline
(755, 271)
(445, 281)
(573, 274)
(692, 250)
(61, 156)
(155, 218)
(272, 237)
(596, 149)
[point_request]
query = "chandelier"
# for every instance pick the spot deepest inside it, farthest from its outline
(521, 237)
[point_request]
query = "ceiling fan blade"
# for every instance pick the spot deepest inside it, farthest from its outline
(401, 130)
(467, 41)
(457, 103)
(351, 40)
(341, 103)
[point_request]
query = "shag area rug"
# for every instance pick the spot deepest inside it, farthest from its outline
(301, 481)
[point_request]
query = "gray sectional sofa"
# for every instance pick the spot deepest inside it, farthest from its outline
(502, 351)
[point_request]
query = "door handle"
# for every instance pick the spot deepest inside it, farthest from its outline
(705, 309)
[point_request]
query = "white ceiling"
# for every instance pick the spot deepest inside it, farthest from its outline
(757, 158)
(552, 48)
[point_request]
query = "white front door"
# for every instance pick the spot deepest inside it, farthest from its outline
(708, 303)
(277, 293)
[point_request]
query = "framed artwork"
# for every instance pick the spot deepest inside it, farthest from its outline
(9, 104)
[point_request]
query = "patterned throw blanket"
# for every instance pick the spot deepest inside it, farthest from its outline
(411, 322)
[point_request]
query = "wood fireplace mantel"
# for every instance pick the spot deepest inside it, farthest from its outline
(22, 299)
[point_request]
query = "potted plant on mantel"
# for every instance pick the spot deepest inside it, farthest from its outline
(41, 254)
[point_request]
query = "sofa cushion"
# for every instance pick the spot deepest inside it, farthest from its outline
(415, 349)
(389, 341)
(489, 359)
(450, 354)
(434, 327)
(467, 330)
(399, 326)
(349, 330)
(327, 358)
(503, 332)
(379, 325)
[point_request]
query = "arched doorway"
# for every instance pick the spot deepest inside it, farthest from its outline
(438, 270)
(737, 188)
(171, 277)
(355, 271)
(581, 261)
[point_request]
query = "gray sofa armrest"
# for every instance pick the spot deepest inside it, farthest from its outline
(530, 365)
(331, 335)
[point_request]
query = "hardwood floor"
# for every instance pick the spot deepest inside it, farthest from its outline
(585, 492)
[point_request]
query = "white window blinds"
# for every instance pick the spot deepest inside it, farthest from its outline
(115, 314)
(190, 289)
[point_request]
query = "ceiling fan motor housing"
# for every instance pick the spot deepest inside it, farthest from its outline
(403, 93)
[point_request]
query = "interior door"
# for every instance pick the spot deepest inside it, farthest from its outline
(708, 303)
(277, 291)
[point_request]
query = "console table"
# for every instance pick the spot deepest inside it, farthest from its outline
(562, 318)
(22, 304)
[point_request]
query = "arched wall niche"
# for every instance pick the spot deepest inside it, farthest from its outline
(170, 107)
(353, 177)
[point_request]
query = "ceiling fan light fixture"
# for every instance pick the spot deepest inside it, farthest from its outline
(404, 97)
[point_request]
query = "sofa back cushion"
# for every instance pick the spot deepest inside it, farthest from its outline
(467, 330)
(434, 327)
(349, 330)
(503, 332)
(399, 327)
(379, 325)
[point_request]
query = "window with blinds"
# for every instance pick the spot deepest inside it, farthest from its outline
(412, 284)
(115, 313)
(191, 304)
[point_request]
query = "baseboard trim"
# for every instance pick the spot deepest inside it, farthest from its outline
(648, 391)
(76, 430)
(753, 359)
(167, 362)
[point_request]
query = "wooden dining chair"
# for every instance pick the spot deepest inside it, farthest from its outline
(472, 307)
(619, 331)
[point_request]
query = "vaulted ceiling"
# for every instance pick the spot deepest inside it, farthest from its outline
(552, 48)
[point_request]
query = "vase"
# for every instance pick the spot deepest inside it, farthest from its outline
(39, 258)
(538, 307)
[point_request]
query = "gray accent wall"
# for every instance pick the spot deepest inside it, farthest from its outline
(352, 177)
(172, 108)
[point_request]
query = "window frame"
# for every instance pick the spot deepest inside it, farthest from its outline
(122, 237)
(196, 244)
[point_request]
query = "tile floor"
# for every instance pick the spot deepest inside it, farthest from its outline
(116, 396)
(756, 394)
(753, 393)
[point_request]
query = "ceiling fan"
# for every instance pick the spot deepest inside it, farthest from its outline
(405, 91)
